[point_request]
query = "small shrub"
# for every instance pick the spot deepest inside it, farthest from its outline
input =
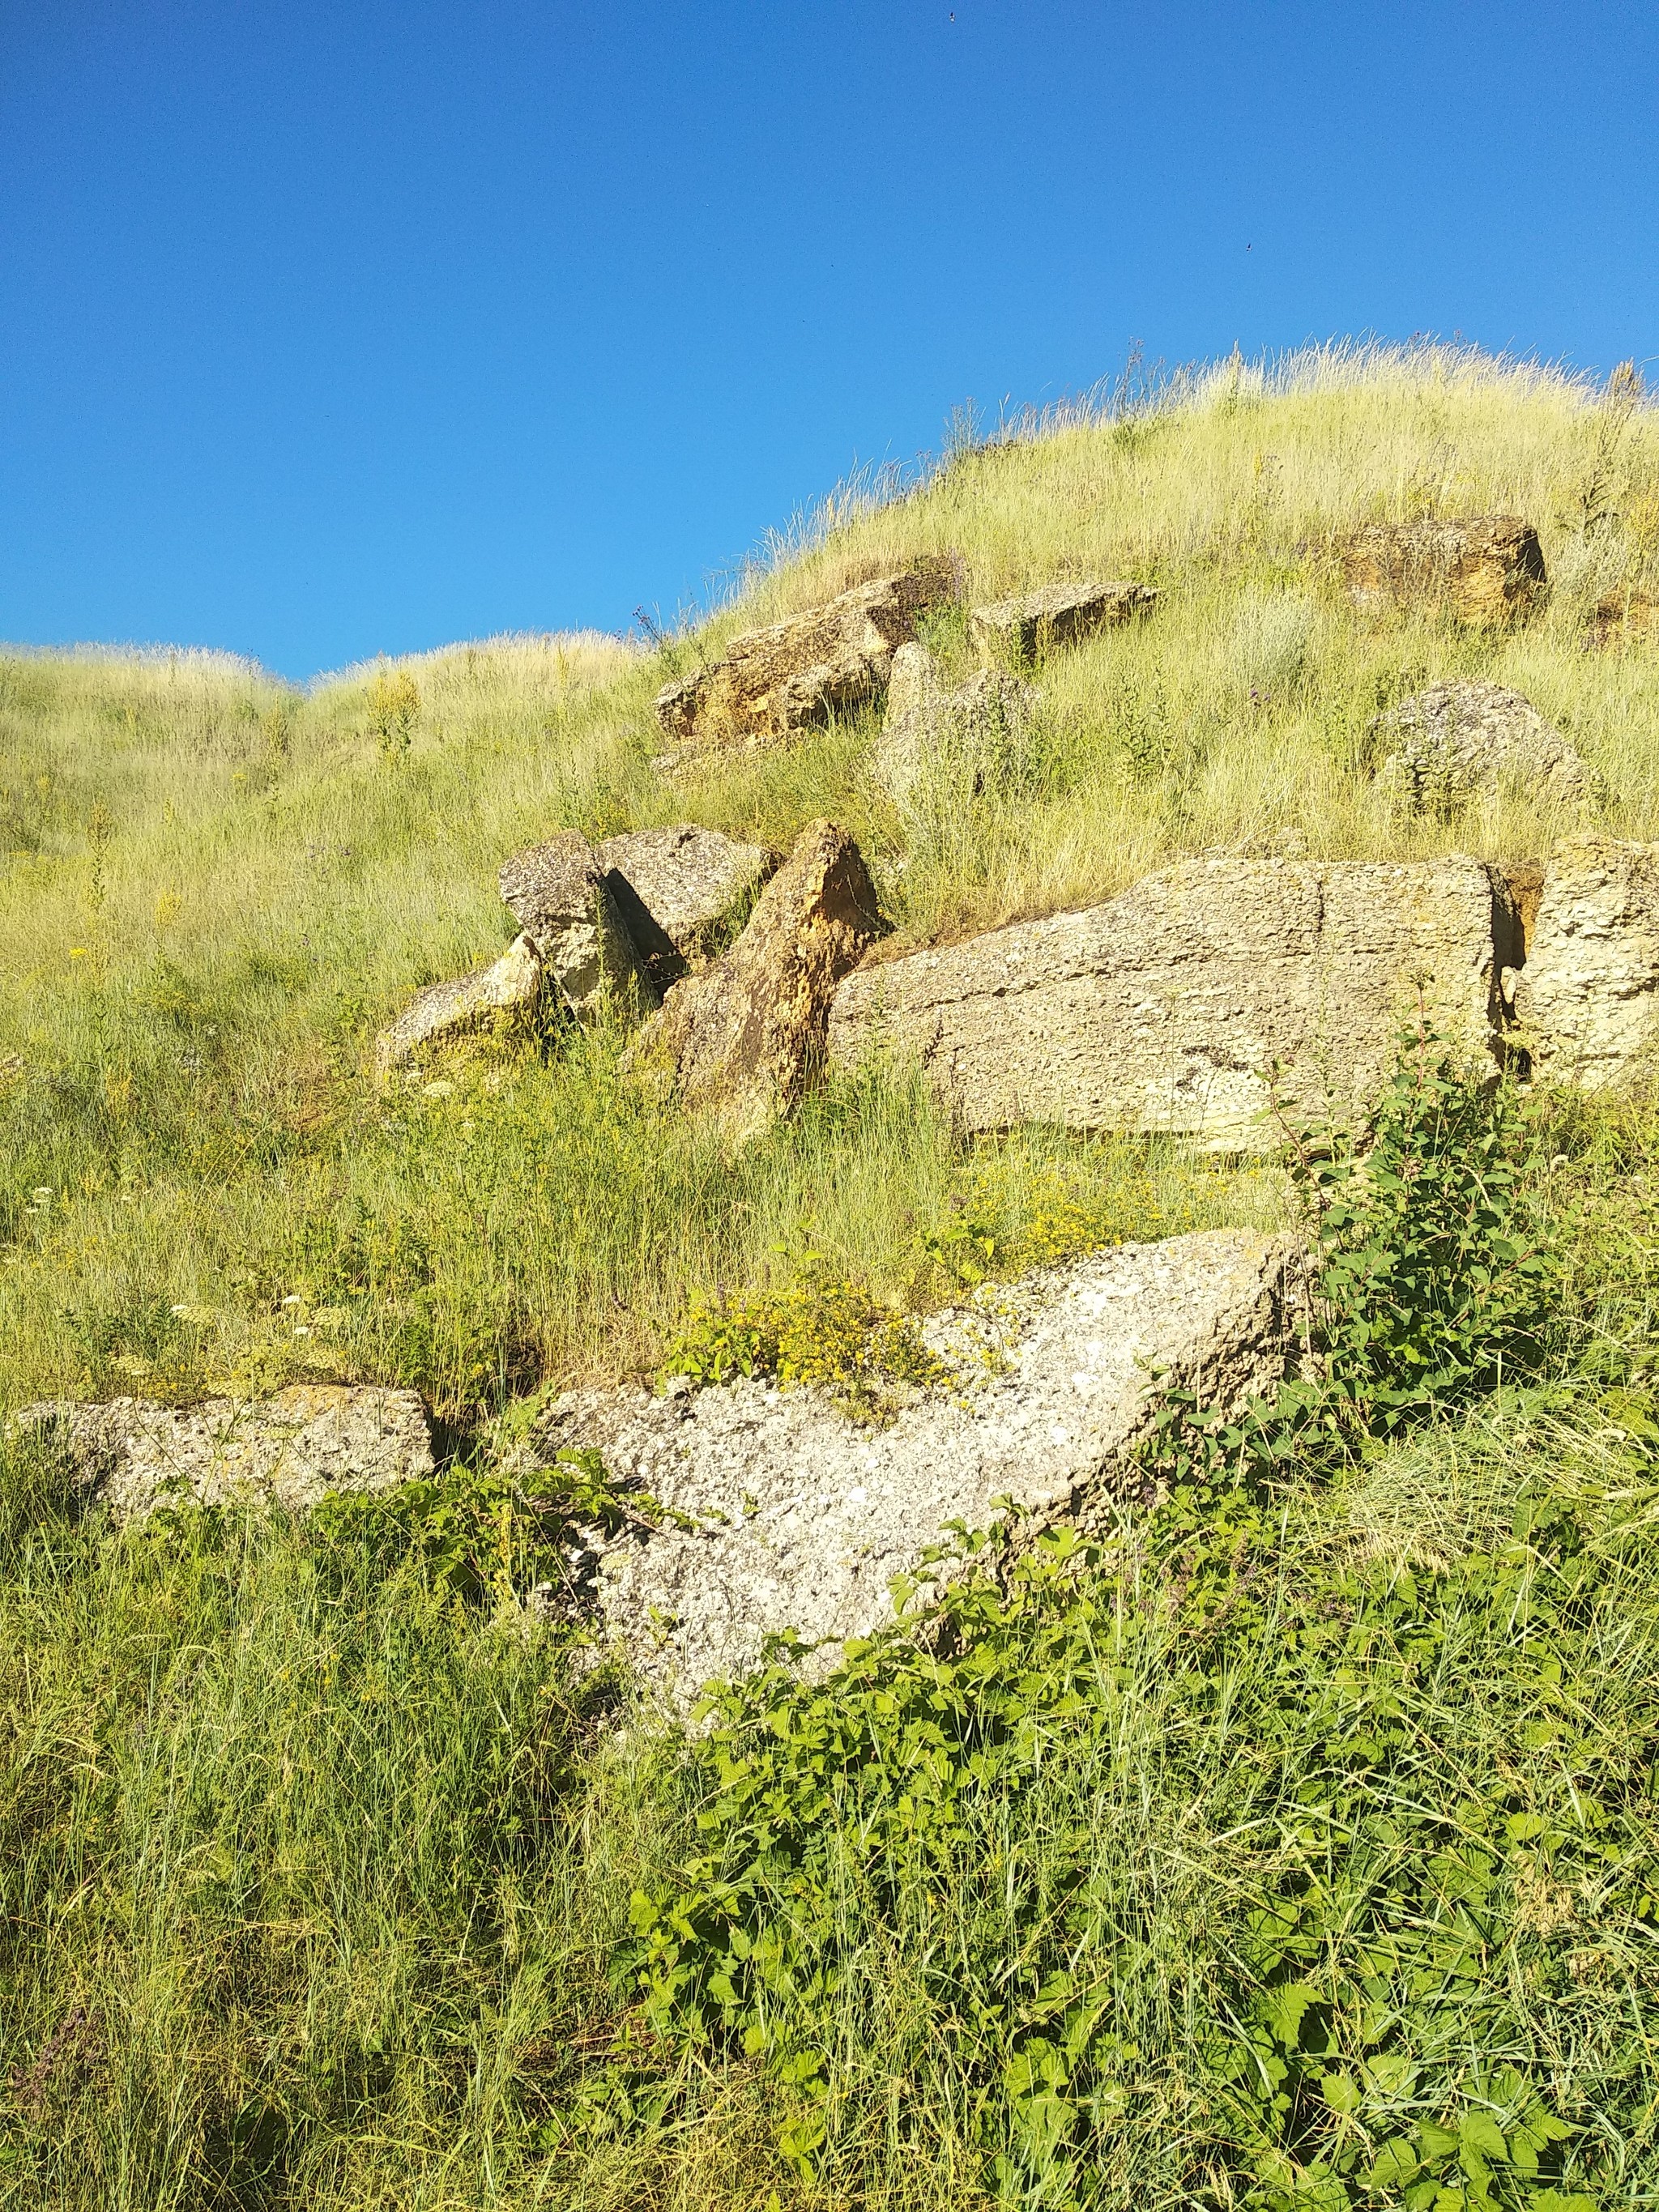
(819, 1330)
(394, 700)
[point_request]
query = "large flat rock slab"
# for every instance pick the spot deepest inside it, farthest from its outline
(802, 1518)
(1166, 1008)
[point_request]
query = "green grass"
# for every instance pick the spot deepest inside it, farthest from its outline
(315, 1865)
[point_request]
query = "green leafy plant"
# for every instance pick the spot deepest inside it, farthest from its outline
(1338, 2042)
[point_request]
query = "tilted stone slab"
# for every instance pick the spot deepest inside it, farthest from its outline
(1588, 999)
(557, 893)
(770, 683)
(675, 890)
(508, 993)
(1487, 570)
(1164, 1009)
(801, 1517)
(290, 1450)
(1035, 623)
(746, 1036)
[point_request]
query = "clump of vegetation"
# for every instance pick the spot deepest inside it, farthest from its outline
(820, 1330)
(977, 1858)
(394, 700)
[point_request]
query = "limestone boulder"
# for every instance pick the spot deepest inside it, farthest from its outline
(506, 994)
(558, 894)
(939, 748)
(675, 891)
(1026, 628)
(290, 1450)
(1487, 570)
(1587, 998)
(771, 684)
(1166, 1008)
(1456, 742)
(746, 1036)
(800, 1519)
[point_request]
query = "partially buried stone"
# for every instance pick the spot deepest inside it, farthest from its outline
(939, 749)
(1486, 569)
(677, 890)
(509, 993)
(746, 1036)
(289, 1450)
(1587, 998)
(1625, 618)
(1459, 741)
(558, 894)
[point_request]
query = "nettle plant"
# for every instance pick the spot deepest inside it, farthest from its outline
(1198, 1839)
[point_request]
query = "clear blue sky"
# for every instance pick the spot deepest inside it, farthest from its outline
(331, 327)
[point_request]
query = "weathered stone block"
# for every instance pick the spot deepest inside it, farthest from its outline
(771, 684)
(1036, 623)
(558, 894)
(938, 748)
(676, 890)
(508, 992)
(746, 1036)
(1486, 569)
(1165, 1008)
(290, 1450)
(1455, 742)
(1588, 999)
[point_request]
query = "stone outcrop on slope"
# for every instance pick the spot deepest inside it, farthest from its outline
(801, 1518)
(558, 894)
(1455, 742)
(508, 993)
(772, 683)
(746, 1036)
(676, 890)
(1036, 623)
(939, 747)
(1587, 998)
(1487, 569)
(1164, 1009)
(292, 1449)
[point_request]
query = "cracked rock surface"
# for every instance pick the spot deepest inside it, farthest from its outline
(1167, 1007)
(802, 1517)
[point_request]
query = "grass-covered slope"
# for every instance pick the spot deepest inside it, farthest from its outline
(1300, 1849)
(215, 890)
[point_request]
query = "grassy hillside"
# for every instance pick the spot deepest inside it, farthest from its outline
(216, 889)
(1293, 1851)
